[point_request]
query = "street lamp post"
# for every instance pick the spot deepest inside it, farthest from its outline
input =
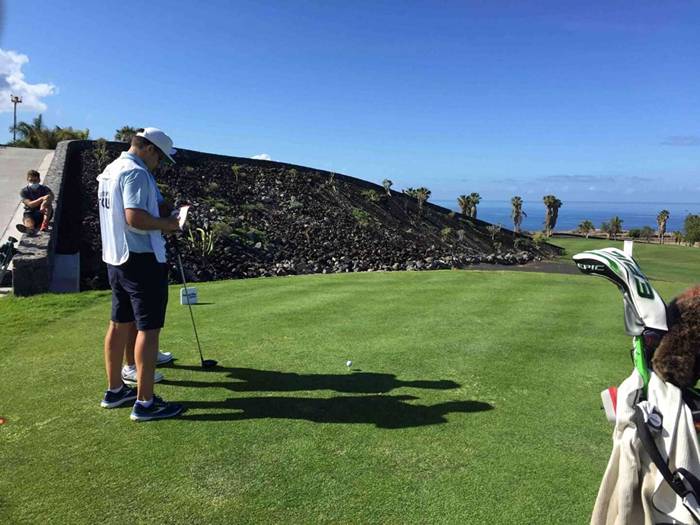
(15, 100)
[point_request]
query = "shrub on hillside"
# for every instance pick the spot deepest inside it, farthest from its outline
(371, 196)
(361, 216)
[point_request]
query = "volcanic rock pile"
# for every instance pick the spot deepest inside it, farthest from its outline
(253, 218)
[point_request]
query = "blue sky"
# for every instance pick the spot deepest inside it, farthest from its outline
(587, 100)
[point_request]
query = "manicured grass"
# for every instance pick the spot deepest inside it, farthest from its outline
(474, 398)
(668, 262)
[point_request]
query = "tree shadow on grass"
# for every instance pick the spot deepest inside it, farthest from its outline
(252, 380)
(390, 412)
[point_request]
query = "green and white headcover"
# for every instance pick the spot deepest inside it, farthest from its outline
(644, 307)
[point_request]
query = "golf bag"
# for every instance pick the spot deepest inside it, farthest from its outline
(652, 475)
(7, 252)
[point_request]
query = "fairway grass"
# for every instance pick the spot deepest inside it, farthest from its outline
(665, 262)
(473, 398)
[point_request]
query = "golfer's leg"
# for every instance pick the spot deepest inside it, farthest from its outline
(117, 334)
(145, 354)
(130, 345)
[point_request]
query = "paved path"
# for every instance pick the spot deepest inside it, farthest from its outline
(554, 266)
(14, 164)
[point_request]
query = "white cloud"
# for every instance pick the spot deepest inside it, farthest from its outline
(262, 156)
(12, 82)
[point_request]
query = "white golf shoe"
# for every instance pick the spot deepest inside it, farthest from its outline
(129, 375)
(163, 357)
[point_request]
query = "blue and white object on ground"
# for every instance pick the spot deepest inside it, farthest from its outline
(188, 295)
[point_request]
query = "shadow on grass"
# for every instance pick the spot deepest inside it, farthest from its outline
(252, 380)
(391, 412)
(380, 410)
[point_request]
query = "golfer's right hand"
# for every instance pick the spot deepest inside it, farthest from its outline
(170, 224)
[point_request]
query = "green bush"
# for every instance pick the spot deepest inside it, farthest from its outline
(362, 217)
(371, 195)
(539, 238)
(100, 154)
(201, 241)
(252, 206)
(249, 235)
(692, 229)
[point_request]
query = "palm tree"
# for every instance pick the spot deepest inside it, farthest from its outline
(552, 213)
(586, 227)
(464, 204)
(678, 237)
(474, 200)
(661, 220)
(125, 133)
(615, 226)
(69, 133)
(36, 135)
(387, 186)
(517, 213)
(605, 228)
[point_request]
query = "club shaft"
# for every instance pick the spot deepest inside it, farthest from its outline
(189, 306)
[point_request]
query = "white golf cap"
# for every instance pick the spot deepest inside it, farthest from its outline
(160, 140)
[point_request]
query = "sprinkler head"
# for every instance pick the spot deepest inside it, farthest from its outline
(209, 363)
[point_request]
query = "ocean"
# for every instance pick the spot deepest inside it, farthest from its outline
(571, 214)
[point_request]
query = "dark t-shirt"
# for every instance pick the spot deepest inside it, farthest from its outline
(33, 194)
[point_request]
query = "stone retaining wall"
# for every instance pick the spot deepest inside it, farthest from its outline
(33, 266)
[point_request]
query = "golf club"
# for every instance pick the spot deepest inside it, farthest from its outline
(206, 363)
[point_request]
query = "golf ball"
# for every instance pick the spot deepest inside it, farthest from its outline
(348, 363)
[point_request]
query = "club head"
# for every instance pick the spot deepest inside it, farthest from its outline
(209, 363)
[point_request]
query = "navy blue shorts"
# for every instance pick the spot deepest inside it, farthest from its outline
(34, 215)
(139, 291)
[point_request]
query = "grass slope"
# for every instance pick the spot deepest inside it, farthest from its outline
(476, 402)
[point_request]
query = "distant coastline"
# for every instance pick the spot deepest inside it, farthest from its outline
(572, 213)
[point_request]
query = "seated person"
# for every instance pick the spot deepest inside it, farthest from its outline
(37, 200)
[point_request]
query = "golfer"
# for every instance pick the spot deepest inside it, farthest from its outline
(134, 250)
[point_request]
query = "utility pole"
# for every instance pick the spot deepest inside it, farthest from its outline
(15, 100)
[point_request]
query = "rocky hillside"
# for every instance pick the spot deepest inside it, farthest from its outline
(255, 218)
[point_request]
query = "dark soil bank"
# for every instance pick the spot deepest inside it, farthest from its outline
(255, 218)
